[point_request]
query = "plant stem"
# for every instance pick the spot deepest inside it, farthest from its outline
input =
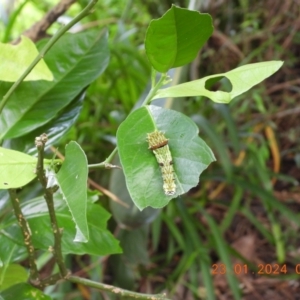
(153, 77)
(155, 88)
(57, 252)
(11, 21)
(34, 274)
(53, 279)
(46, 48)
(106, 164)
(116, 290)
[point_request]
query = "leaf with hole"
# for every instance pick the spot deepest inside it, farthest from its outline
(242, 79)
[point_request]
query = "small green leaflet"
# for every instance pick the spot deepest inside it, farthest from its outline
(16, 169)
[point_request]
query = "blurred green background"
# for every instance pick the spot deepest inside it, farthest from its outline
(244, 214)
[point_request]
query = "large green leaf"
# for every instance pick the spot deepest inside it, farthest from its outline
(101, 241)
(16, 169)
(129, 217)
(175, 39)
(55, 129)
(190, 154)
(72, 179)
(15, 59)
(11, 275)
(23, 291)
(4, 200)
(11, 250)
(242, 79)
(75, 60)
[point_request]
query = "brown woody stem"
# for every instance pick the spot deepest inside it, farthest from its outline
(34, 274)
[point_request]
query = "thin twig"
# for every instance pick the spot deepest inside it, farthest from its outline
(57, 251)
(155, 87)
(46, 48)
(116, 290)
(106, 164)
(285, 85)
(34, 274)
(287, 112)
(106, 192)
(164, 79)
(94, 184)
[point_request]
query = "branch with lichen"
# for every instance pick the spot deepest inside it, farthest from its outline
(49, 191)
(34, 274)
(51, 280)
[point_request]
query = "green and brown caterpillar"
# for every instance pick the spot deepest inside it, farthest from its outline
(158, 143)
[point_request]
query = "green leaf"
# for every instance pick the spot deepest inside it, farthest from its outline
(76, 60)
(130, 216)
(15, 59)
(101, 241)
(124, 267)
(175, 39)
(11, 250)
(24, 291)
(55, 129)
(11, 275)
(242, 79)
(72, 179)
(16, 169)
(190, 154)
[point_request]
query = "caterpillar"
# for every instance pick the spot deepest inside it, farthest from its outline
(158, 143)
